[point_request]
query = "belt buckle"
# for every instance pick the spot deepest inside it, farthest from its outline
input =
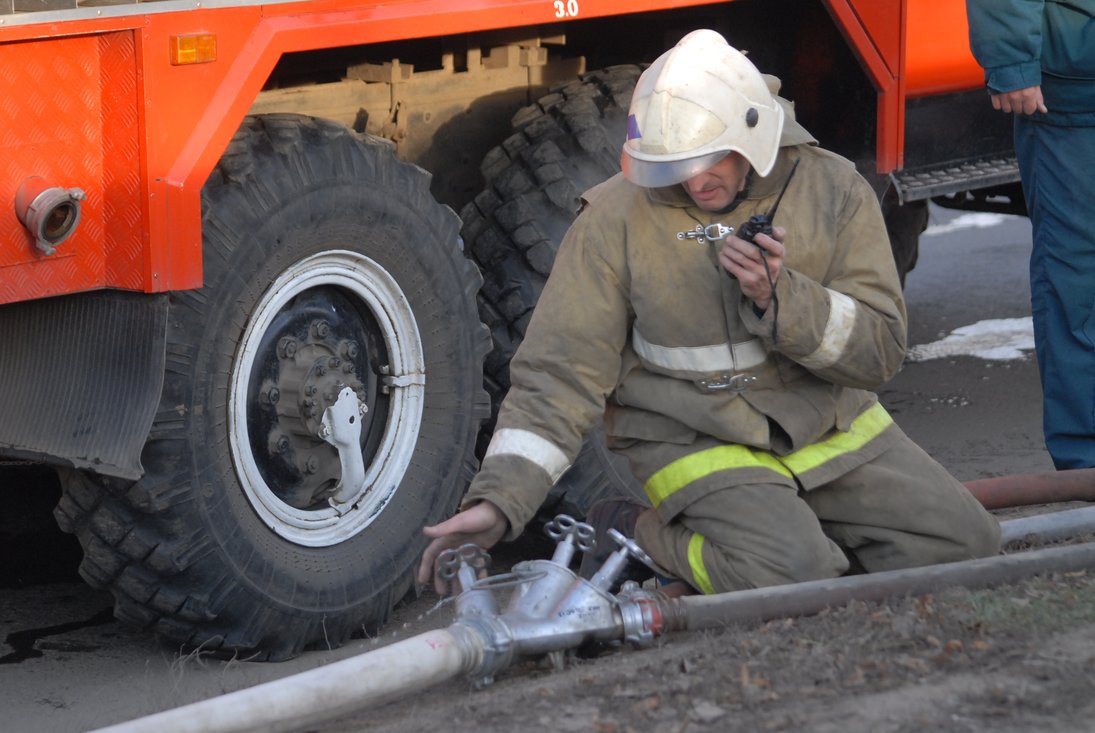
(729, 382)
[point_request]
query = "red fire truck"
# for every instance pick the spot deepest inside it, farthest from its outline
(263, 264)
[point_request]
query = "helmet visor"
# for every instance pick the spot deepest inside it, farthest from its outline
(655, 172)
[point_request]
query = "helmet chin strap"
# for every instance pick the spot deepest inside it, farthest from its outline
(741, 195)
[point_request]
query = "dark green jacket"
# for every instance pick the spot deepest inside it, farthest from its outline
(1023, 43)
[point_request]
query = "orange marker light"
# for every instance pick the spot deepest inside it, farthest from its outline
(197, 48)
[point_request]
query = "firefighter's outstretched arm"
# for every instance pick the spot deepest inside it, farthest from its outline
(482, 524)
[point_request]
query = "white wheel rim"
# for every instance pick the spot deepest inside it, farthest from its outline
(375, 288)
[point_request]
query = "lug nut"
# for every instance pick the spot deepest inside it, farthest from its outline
(349, 349)
(287, 347)
(270, 396)
(320, 329)
(310, 464)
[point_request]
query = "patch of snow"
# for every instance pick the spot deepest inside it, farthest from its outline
(977, 220)
(999, 339)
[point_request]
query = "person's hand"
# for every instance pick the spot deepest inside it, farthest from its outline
(746, 262)
(1025, 101)
(482, 524)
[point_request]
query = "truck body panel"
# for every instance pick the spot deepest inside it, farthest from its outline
(96, 102)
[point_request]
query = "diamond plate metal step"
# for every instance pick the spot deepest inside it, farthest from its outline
(914, 184)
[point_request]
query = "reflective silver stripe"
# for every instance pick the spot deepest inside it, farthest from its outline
(531, 447)
(838, 331)
(719, 358)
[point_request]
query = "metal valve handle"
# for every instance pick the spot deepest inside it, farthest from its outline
(463, 563)
(565, 526)
(636, 552)
(570, 534)
(470, 554)
(615, 563)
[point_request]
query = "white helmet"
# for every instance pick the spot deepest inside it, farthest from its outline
(698, 102)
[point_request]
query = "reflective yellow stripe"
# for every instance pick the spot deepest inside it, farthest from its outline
(695, 561)
(864, 428)
(684, 471)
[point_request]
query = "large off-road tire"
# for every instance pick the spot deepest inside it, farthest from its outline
(904, 225)
(564, 144)
(327, 264)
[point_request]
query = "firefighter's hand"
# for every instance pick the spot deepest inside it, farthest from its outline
(746, 262)
(482, 524)
(1020, 101)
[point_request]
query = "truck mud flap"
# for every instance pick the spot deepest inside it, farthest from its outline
(81, 379)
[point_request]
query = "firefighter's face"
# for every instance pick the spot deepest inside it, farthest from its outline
(716, 187)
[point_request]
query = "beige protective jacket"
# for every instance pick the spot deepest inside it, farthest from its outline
(638, 324)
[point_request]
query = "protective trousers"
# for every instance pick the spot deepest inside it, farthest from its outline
(899, 509)
(1059, 186)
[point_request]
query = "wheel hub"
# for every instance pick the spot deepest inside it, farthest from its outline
(310, 378)
(313, 360)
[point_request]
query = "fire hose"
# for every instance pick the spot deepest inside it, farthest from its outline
(1023, 489)
(551, 610)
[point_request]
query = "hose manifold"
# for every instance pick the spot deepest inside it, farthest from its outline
(550, 609)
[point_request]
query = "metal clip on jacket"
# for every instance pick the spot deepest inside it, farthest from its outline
(710, 233)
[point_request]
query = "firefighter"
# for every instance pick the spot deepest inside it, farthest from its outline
(1039, 61)
(734, 376)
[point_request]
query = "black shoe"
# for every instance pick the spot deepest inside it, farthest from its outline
(620, 514)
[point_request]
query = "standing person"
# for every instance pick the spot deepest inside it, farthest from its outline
(733, 376)
(1039, 61)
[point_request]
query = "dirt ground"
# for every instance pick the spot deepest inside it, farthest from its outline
(1017, 658)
